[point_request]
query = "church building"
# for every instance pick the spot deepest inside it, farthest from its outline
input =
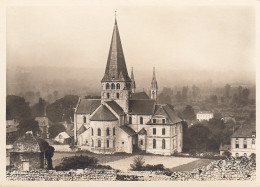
(124, 120)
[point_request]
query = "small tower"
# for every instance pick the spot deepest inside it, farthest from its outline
(116, 84)
(154, 87)
(133, 87)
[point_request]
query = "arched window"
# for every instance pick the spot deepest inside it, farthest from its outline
(141, 142)
(84, 119)
(112, 86)
(108, 95)
(163, 143)
(92, 131)
(107, 86)
(245, 143)
(114, 131)
(141, 120)
(108, 133)
(117, 95)
(118, 86)
(114, 143)
(92, 145)
(107, 143)
(99, 143)
(99, 132)
(154, 143)
(130, 120)
(163, 131)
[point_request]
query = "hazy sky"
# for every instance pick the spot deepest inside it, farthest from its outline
(167, 37)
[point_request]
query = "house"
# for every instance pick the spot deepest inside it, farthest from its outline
(11, 131)
(65, 137)
(29, 152)
(124, 120)
(243, 141)
(204, 115)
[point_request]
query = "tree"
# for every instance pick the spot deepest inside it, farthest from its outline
(227, 90)
(178, 96)
(188, 113)
(55, 129)
(38, 109)
(17, 108)
(217, 129)
(214, 99)
(195, 91)
(138, 163)
(28, 125)
(62, 109)
(184, 93)
(77, 162)
(197, 137)
(227, 153)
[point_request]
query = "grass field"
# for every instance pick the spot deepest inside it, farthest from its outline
(192, 165)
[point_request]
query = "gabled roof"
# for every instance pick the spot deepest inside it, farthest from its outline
(142, 132)
(64, 135)
(128, 130)
(103, 114)
(116, 67)
(245, 131)
(145, 107)
(115, 107)
(139, 95)
(88, 106)
(167, 111)
(82, 129)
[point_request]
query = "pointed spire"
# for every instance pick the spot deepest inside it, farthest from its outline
(116, 67)
(154, 82)
(133, 81)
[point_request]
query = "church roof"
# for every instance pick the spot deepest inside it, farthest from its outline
(154, 82)
(128, 130)
(103, 114)
(141, 107)
(167, 111)
(142, 132)
(116, 67)
(88, 106)
(115, 107)
(82, 129)
(139, 95)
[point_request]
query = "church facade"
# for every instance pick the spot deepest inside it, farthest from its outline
(124, 120)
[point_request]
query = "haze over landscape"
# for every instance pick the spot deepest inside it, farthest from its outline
(66, 48)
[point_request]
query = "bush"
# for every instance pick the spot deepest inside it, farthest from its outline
(253, 156)
(227, 153)
(138, 163)
(77, 162)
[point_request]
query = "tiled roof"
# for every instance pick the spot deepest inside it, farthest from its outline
(116, 67)
(29, 143)
(88, 106)
(205, 112)
(167, 111)
(82, 129)
(145, 107)
(103, 114)
(245, 131)
(128, 130)
(142, 132)
(115, 107)
(64, 135)
(139, 95)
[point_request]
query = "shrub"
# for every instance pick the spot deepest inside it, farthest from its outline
(253, 156)
(227, 153)
(76, 162)
(138, 163)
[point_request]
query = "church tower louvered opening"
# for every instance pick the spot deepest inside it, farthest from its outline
(116, 83)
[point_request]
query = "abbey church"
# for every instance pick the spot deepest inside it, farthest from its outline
(124, 120)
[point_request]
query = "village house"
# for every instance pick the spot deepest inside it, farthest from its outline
(124, 120)
(29, 152)
(204, 115)
(243, 141)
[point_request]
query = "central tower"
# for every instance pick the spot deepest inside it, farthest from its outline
(116, 84)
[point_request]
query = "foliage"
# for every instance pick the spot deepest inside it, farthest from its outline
(17, 108)
(62, 109)
(253, 156)
(165, 96)
(38, 109)
(138, 163)
(77, 162)
(227, 153)
(28, 125)
(188, 113)
(55, 129)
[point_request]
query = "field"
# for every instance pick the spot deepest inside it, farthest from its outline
(123, 161)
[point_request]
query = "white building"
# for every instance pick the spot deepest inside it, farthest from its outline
(204, 115)
(122, 120)
(243, 141)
